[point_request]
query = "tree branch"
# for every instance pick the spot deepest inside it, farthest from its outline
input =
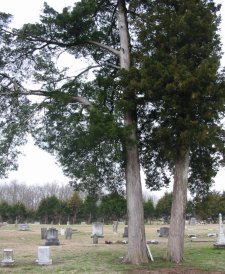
(103, 46)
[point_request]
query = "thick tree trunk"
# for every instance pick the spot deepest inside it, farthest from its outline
(137, 250)
(175, 249)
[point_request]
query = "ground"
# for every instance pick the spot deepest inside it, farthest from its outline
(174, 270)
(79, 255)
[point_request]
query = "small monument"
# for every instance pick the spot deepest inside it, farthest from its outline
(125, 233)
(52, 237)
(62, 231)
(68, 233)
(115, 226)
(221, 238)
(24, 227)
(43, 232)
(164, 231)
(7, 257)
(192, 221)
(44, 256)
(97, 231)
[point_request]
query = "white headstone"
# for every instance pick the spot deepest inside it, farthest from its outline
(62, 231)
(221, 237)
(7, 257)
(97, 229)
(44, 255)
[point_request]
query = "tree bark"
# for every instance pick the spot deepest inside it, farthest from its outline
(137, 250)
(175, 249)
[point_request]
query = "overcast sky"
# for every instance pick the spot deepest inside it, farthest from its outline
(37, 166)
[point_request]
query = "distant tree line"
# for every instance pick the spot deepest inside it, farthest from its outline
(205, 208)
(31, 195)
(54, 203)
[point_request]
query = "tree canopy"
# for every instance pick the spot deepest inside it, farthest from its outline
(182, 80)
(155, 91)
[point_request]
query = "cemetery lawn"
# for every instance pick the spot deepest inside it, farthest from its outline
(80, 255)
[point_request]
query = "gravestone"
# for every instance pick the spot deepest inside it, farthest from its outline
(68, 233)
(44, 255)
(62, 231)
(115, 226)
(52, 237)
(7, 257)
(95, 239)
(193, 221)
(43, 233)
(125, 233)
(164, 231)
(221, 238)
(97, 231)
(24, 227)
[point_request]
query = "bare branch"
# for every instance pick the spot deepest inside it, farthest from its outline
(85, 70)
(112, 65)
(77, 99)
(114, 51)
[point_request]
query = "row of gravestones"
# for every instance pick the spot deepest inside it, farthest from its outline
(43, 256)
(51, 234)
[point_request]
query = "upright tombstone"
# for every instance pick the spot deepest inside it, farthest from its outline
(68, 233)
(7, 257)
(62, 231)
(44, 255)
(164, 231)
(115, 226)
(44, 233)
(221, 238)
(52, 237)
(125, 233)
(193, 221)
(97, 231)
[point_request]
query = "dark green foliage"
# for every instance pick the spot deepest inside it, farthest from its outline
(174, 83)
(181, 80)
(86, 142)
(209, 207)
(14, 111)
(49, 210)
(75, 205)
(163, 207)
(149, 209)
(90, 208)
(4, 211)
(12, 213)
(113, 207)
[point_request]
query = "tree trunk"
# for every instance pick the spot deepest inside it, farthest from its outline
(175, 249)
(137, 250)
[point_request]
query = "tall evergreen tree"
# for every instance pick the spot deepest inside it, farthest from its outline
(95, 138)
(182, 124)
(14, 110)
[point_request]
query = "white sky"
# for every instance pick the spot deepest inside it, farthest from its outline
(37, 166)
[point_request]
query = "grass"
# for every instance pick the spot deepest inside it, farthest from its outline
(79, 255)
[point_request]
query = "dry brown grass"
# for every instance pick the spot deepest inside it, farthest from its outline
(79, 255)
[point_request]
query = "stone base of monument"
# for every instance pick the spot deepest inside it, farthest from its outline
(52, 242)
(219, 246)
